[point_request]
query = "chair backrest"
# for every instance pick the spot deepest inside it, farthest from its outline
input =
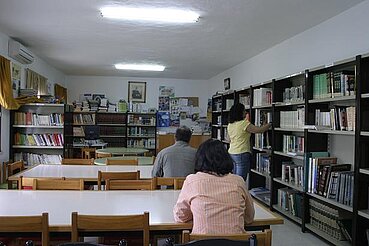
(77, 161)
(102, 176)
(121, 162)
(88, 153)
(103, 155)
(101, 223)
(25, 224)
(11, 169)
(175, 182)
(142, 184)
(262, 238)
(58, 184)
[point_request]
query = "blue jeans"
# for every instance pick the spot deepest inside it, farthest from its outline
(241, 164)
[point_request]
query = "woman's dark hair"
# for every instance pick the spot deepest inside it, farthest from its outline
(236, 113)
(212, 157)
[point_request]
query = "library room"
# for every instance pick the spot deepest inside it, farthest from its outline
(184, 122)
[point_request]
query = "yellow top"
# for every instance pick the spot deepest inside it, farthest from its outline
(240, 138)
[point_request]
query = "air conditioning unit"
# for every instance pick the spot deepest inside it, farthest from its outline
(19, 53)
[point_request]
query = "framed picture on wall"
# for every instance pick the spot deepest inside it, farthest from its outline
(227, 83)
(136, 91)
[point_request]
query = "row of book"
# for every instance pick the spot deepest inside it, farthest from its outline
(141, 131)
(294, 94)
(217, 106)
(331, 180)
(46, 139)
(293, 144)
(290, 201)
(329, 220)
(339, 118)
(245, 100)
(141, 143)
(292, 173)
(262, 140)
(35, 159)
(261, 193)
(328, 85)
(111, 118)
(86, 119)
(28, 118)
(78, 131)
(112, 130)
(263, 163)
(262, 97)
(149, 120)
(292, 119)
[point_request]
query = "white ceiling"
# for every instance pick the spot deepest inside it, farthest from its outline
(72, 36)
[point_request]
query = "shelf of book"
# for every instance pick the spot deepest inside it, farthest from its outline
(298, 157)
(260, 173)
(287, 214)
(334, 99)
(366, 95)
(288, 184)
(362, 133)
(289, 129)
(112, 136)
(364, 171)
(110, 124)
(142, 113)
(348, 133)
(143, 136)
(284, 104)
(330, 201)
(262, 199)
(45, 105)
(326, 236)
(364, 213)
(262, 106)
(36, 147)
(141, 125)
(33, 126)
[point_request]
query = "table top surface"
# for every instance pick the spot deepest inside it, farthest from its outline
(142, 160)
(121, 150)
(86, 172)
(61, 204)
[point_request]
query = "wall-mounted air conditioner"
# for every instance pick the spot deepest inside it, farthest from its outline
(19, 53)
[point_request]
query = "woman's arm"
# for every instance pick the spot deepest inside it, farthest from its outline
(258, 129)
(249, 209)
(182, 210)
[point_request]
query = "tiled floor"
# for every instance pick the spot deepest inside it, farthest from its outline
(289, 234)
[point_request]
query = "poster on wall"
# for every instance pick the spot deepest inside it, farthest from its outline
(166, 91)
(16, 78)
(163, 103)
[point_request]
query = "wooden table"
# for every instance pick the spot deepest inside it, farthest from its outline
(122, 151)
(142, 160)
(86, 172)
(61, 204)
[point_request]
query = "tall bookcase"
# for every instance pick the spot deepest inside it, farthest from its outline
(37, 133)
(318, 112)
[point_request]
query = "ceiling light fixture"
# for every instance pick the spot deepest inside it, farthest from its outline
(140, 67)
(150, 14)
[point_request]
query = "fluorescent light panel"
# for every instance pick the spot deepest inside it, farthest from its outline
(140, 67)
(150, 14)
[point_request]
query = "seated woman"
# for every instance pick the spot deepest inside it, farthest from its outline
(215, 199)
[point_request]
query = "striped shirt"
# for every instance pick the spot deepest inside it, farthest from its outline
(217, 205)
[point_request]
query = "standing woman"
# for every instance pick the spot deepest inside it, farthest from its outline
(239, 132)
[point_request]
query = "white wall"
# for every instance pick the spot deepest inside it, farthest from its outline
(116, 88)
(343, 36)
(39, 66)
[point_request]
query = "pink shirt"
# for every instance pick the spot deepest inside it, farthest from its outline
(217, 205)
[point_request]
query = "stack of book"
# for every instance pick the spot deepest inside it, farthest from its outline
(261, 193)
(340, 118)
(328, 85)
(263, 97)
(292, 173)
(28, 118)
(84, 119)
(45, 139)
(290, 200)
(293, 145)
(35, 159)
(293, 119)
(245, 100)
(263, 163)
(294, 94)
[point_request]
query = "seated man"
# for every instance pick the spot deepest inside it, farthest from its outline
(177, 160)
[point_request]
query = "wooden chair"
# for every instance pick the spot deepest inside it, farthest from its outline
(175, 182)
(121, 162)
(103, 155)
(263, 238)
(88, 153)
(102, 176)
(14, 168)
(27, 224)
(105, 223)
(25, 183)
(55, 184)
(142, 184)
(77, 161)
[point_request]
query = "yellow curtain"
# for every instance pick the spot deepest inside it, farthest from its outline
(36, 81)
(6, 93)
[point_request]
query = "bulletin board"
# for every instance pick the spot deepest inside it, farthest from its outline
(180, 108)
